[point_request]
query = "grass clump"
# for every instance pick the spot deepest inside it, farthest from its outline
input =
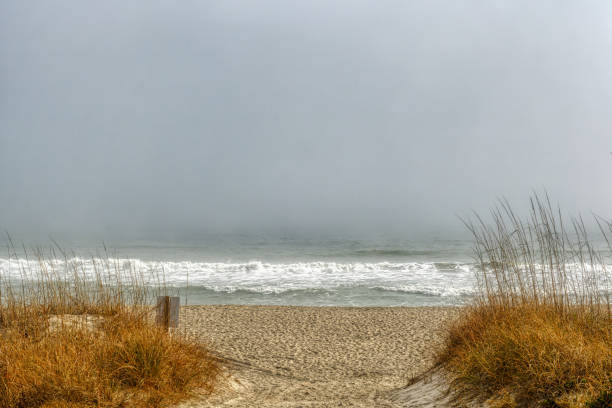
(539, 332)
(75, 334)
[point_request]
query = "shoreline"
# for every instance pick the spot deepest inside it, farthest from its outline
(316, 356)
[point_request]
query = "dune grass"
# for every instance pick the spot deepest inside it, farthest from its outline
(79, 333)
(539, 332)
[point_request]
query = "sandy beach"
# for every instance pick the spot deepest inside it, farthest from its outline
(316, 356)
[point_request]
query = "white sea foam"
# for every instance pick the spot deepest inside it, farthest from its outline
(422, 278)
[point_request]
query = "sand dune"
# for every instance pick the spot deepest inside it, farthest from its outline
(318, 356)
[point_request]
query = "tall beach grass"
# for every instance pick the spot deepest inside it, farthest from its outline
(539, 332)
(79, 333)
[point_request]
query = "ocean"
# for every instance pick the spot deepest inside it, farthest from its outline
(285, 270)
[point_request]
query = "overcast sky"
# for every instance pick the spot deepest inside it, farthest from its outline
(153, 118)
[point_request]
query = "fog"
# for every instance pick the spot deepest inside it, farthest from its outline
(160, 119)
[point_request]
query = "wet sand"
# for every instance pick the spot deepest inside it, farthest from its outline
(316, 356)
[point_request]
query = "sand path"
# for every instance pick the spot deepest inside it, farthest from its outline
(316, 356)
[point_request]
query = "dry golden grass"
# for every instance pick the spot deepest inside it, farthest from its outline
(534, 353)
(89, 341)
(540, 330)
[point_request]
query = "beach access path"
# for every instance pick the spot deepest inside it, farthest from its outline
(294, 356)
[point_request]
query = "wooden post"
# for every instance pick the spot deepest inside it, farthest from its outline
(167, 311)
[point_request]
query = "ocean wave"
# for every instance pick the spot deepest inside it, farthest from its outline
(435, 292)
(428, 278)
(356, 283)
(392, 252)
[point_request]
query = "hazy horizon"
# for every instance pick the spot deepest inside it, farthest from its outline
(155, 120)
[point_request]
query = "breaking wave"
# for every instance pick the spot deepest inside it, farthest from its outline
(434, 279)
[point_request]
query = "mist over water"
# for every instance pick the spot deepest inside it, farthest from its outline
(159, 121)
(303, 153)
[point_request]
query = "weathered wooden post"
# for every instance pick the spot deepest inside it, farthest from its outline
(167, 311)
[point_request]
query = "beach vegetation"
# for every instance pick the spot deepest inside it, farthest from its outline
(539, 330)
(80, 333)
